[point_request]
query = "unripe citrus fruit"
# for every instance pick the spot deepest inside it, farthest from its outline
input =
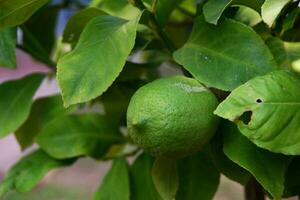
(172, 117)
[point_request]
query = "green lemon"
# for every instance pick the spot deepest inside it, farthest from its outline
(172, 117)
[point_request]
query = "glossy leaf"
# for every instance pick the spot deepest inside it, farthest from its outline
(268, 168)
(78, 135)
(273, 101)
(8, 40)
(141, 183)
(15, 102)
(119, 8)
(115, 185)
(271, 9)
(97, 60)
(43, 111)
(198, 177)
(286, 54)
(27, 173)
(16, 12)
(213, 9)
(77, 23)
(165, 178)
(218, 58)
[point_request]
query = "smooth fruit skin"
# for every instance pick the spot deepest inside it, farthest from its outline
(172, 117)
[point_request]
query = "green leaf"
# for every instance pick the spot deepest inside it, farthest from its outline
(78, 135)
(286, 54)
(273, 101)
(16, 12)
(268, 168)
(15, 107)
(37, 41)
(141, 183)
(213, 9)
(292, 183)
(165, 177)
(271, 9)
(43, 111)
(247, 16)
(119, 8)
(163, 9)
(27, 173)
(217, 58)
(198, 177)
(77, 23)
(115, 185)
(97, 60)
(227, 167)
(290, 20)
(8, 41)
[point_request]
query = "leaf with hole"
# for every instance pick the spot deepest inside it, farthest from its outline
(273, 105)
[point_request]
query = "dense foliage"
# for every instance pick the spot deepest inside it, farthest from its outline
(246, 51)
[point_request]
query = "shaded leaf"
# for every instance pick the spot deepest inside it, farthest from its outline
(286, 54)
(163, 9)
(16, 12)
(43, 111)
(78, 135)
(292, 182)
(213, 9)
(268, 168)
(97, 60)
(39, 42)
(27, 173)
(218, 58)
(198, 177)
(165, 178)
(273, 101)
(290, 20)
(15, 107)
(8, 41)
(77, 23)
(142, 186)
(226, 166)
(247, 16)
(271, 9)
(115, 185)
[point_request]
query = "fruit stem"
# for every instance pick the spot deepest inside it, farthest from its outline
(254, 191)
